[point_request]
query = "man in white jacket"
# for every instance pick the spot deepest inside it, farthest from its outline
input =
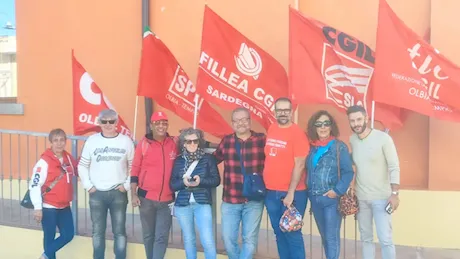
(104, 170)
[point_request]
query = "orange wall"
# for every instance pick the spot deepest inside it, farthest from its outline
(106, 36)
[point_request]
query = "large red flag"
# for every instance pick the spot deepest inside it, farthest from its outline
(234, 71)
(88, 101)
(328, 66)
(162, 78)
(411, 74)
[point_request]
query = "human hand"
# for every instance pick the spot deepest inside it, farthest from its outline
(394, 201)
(331, 194)
(92, 190)
(135, 200)
(38, 215)
(121, 188)
(287, 201)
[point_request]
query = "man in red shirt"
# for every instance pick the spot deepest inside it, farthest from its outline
(284, 175)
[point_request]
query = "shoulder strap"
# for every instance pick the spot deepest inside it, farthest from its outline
(49, 188)
(338, 156)
(190, 169)
(240, 157)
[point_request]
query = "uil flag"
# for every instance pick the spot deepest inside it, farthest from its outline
(410, 73)
(234, 71)
(88, 101)
(163, 79)
(327, 66)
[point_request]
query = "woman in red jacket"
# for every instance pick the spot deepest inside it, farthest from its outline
(51, 193)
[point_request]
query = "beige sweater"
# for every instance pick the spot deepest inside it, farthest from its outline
(377, 165)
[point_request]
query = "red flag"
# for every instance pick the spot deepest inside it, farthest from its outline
(88, 101)
(162, 78)
(328, 66)
(411, 74)
(234, 71)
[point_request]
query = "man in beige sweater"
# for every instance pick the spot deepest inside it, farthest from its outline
(377, 182)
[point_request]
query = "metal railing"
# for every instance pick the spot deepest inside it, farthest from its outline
(20, 150)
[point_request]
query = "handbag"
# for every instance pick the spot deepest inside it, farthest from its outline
(348, 202)
(253, 184)
(291, 220)
(26, 202)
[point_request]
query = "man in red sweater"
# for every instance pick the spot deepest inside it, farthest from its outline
(151, 171)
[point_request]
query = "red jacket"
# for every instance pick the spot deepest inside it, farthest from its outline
(61, 194)
(152, 168)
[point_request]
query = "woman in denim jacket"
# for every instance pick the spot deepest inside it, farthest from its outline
(193, 201)
(324, 185)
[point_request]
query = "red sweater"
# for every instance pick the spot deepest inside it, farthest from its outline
(152, 168)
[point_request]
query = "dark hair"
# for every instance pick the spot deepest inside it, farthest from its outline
(55, 132)
(191, 131)
(311, 128)
(356, 108)
(283, 99)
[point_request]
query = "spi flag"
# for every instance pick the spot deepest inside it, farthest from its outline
(88, 101)
(162, 78)
(327, 66)
(234, 71)
(410, 73)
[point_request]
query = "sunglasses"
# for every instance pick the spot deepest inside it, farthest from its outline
(194, 141)
(108, 121)
(326, 123)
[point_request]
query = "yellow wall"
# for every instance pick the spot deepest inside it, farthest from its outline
(28, 244)
(425, 218)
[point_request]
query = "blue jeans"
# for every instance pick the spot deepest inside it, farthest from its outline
(290, 245)
(375, 209)
(328, 220)
(201, 215)
(62, 219)
(250, 215)
(116, 202)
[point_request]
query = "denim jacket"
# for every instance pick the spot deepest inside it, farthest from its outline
(324, 176)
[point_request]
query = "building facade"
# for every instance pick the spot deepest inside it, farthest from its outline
(106, 37)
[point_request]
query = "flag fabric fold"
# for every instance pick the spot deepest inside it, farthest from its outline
(88, 102)
(162, 78)
(234, 71)
(410, 73)
(328, 66)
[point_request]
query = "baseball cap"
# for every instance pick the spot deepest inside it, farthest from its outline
(159, 115)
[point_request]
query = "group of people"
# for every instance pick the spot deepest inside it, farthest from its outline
(173, 176)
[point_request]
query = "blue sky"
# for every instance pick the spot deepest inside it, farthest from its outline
(7, 14)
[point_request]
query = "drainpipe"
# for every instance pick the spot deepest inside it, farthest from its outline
(148, 101)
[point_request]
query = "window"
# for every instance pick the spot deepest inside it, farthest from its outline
(8, 71)
(8, 68)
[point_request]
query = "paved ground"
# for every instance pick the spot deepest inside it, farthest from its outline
(12, 214)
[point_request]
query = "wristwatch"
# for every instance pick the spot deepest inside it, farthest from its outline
(395, 192)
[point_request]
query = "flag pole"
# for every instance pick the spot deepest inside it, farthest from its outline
(195, 112)
(135, 118)
(296, 112)
(373, 114)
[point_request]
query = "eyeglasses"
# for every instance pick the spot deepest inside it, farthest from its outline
(283, 111)
(194, 141)
(326, 123)
(161, 122)
(108, 121)
(243, 120)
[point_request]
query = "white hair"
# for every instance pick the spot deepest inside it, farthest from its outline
(108, 114)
